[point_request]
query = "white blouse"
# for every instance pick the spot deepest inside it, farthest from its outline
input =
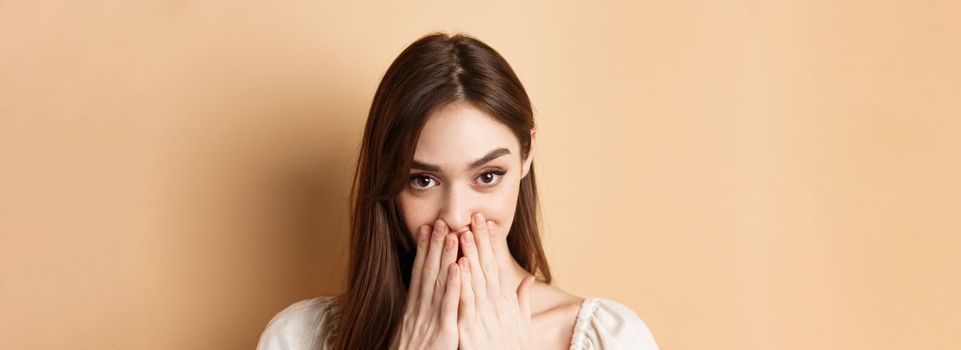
(601, 324)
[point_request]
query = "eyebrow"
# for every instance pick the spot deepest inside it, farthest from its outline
(483, 160)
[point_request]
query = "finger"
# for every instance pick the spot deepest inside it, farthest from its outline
(432, 264)
(448, 309)
(413, 290)
(487, 262)
(524, 296)
(498, 252)
(469, 245)
(497, 240)
(466, 292)
(447, 257)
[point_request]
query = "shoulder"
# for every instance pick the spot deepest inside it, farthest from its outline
(553, 312)
(305, 325)
(607, 324)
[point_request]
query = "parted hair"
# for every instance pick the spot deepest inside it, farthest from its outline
(433, 71)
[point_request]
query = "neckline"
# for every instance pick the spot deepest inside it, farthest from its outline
(584, 312)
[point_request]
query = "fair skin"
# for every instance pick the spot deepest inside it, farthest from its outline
(459, 205)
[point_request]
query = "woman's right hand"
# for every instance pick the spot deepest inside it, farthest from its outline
(430, 315)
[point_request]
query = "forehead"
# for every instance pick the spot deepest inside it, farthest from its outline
(459, 133)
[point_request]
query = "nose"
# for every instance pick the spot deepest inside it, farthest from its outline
(457, 210)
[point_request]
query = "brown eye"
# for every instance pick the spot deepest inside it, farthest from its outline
(491, 178)
(421, 182)
(488, 178)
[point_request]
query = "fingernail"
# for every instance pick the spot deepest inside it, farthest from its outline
(479, 219)
(449, 242)
(439, 227)
(468, 238)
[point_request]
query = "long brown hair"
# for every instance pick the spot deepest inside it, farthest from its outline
(435, 70)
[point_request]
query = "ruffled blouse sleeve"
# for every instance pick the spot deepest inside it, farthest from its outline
(607, 324)
(304, 325)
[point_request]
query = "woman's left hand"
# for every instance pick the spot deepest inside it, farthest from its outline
(492, 313)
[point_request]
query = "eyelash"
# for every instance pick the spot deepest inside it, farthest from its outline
(499, 173)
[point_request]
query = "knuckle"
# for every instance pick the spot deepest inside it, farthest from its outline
(480, 287)
(420, 304)
(489, 266)
(440, 286)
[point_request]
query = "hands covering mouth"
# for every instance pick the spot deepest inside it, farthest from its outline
(458, 297)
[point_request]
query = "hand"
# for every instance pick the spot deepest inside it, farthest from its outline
(493, 315)
(430, 315)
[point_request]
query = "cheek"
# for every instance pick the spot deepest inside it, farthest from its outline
(416, 212)
(501, 207)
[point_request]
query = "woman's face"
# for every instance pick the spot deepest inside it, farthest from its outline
(465, 162)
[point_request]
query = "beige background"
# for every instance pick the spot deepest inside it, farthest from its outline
(744, 174)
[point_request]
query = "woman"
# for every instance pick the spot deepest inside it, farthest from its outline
(444, 237)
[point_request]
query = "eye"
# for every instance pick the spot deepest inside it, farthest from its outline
(491, 177)
(422, 182)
